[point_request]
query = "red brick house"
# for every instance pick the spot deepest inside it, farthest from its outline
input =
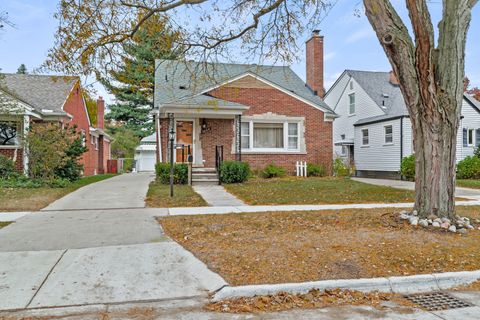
(29, 99)
(259, 114)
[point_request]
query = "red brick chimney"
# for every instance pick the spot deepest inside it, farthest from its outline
(100, 113)
(315, 63)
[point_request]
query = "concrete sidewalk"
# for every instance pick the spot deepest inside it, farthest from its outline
(466, 193)
(123, 191)
(217, 196)
(59, 230)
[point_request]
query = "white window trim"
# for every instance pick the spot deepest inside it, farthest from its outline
(285, 148)
(368, 136)
(385, 135)
(468, 137)
(350, 104)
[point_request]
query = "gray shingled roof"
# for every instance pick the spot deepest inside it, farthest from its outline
(41, 92)
(376, 84)
(175, 80)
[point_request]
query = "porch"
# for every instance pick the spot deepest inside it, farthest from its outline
(198, 125)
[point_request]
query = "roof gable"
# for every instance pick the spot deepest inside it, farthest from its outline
(46, 94)
(175, 80)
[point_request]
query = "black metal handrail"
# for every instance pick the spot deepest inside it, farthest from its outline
(218, 160)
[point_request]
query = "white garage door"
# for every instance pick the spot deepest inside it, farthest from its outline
(146, 162)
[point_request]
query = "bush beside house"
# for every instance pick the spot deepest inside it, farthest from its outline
(234, 172)
(407, 168)
(180, 173)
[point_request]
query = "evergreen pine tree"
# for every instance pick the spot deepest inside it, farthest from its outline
(132, 83)
(22, 69)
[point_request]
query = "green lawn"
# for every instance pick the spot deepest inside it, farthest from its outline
(474, 184)
(158, 196)
(292, 190)
(32, 199)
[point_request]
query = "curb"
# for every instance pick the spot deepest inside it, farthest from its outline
(12, 216)
(402, 285)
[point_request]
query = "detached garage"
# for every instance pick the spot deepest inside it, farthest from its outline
(145, 154)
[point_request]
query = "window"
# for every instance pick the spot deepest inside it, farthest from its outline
(344, 150)
(342, 136)
(388, 134)
(470, 137)
(270, 136)
(245, 129)
(293, 136)
(9, 133)
(351, 85)
(365, 139)
(351, 109)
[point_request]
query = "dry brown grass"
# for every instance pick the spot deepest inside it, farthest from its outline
(158, 196)
(278, 247)
(33, 199)
(313, 299)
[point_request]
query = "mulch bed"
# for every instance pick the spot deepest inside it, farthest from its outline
(280, 247)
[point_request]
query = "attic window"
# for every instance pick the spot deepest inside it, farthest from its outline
(385, 95)
(182, 87)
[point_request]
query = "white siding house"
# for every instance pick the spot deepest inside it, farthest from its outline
(379, 133)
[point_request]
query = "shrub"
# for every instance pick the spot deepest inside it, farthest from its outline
(272, 171)
(54, 152)
(469, 168)
(234, 172)
(180, 173)
(315, 170)
(7, 167)
(407, 167)
(340, 169)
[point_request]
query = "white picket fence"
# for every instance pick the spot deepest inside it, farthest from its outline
(301, 168)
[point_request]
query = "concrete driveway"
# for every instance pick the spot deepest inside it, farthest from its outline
(123, 191)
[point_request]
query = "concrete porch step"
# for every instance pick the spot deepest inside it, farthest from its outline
(203, 181)
(204, 175)
(204, 170)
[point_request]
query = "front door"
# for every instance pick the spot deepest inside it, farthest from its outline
(184, 139)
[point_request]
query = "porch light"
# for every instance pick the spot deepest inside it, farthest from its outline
(204, 126)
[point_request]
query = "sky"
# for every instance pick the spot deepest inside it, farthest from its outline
(350, 42)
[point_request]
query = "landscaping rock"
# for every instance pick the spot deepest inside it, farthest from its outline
(415, 213)
(438, 220)
(404, 216)
(446, 220)
(423, 223)
(462, 231)
(445, 225)
(432, 217)
(414, 221)
(452, 229)
(436, 224)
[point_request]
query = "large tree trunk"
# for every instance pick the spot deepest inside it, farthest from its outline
(431, 81)
(435, 146)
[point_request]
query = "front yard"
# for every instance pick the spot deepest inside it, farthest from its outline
(33, 199)
(278, 247)
(292, 190)
(158, 196)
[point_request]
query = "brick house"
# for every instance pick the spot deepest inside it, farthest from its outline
(259, 114)
(26, 100)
